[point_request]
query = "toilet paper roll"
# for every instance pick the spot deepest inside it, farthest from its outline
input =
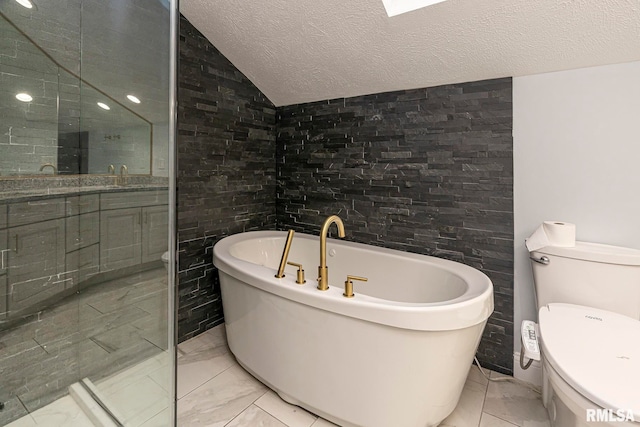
(552, 233)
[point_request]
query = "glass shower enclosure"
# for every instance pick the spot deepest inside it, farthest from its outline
(87, 207)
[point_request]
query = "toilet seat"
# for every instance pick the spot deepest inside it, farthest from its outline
(596, 352)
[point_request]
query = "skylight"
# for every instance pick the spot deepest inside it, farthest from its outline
(396, 7)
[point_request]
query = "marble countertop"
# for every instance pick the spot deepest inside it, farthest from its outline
(53, 192)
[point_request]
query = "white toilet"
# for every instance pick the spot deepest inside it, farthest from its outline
(165, 260)
(588, 298)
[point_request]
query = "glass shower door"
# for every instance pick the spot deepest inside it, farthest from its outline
(86, 196)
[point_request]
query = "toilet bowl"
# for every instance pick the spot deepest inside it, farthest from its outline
(590, 360)
(165, 260)
(588, 297)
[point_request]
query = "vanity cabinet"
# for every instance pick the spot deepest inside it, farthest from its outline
(3, 297)
(35, 251)
(4, 249)
(133, 229)
(120, 238)
(36, 211)
(82, 237)
(36, 263)
(3, 217)
(4, 253)
(50, 245)
(82, 231)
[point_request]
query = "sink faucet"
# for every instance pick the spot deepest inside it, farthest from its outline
(55, 170)
(124, 172)
(323, 271)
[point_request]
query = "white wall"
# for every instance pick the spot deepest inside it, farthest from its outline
(576, 159)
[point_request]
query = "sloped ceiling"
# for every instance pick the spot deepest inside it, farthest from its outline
(299, 51)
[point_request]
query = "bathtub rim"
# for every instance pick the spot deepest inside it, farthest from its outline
(474, 306)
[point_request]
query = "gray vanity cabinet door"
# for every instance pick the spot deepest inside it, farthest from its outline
(83, 204)
(36, 211)
(82, 264)
(4, 252)
(4, 291)
(155, 226)
(36, 262)
(4, 217)
(120, 238)
(83, 230)
(3, 297)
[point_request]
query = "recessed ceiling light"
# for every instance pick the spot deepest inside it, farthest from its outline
(133, 99)
(103, 106)
(396, 7)
(24, 97)
(25, 3)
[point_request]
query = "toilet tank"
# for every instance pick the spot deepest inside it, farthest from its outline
(589, 274)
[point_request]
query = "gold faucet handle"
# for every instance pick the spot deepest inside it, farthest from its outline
(348, 285)
(300, 280)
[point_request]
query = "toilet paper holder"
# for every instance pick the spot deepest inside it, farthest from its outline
(542, 260)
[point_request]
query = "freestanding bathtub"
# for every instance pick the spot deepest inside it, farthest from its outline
(396, 354)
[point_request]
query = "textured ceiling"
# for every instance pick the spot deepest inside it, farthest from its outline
(307, 50)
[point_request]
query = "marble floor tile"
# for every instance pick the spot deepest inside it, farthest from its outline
(24, 421)
(469, 409)
(157, 303)
(124, 347)
(291, 415)
(154, 329)
(17, 375)
(63, 412)
(476, 375)
(140, 401)
(491, 421)
(514, 402)
(161, 419)
(163, 377)
(321, 422)
(72, 339)
(221, 399)
(254, 416)
(214, 337)
(154, 365)
(201, 365)
(17, 340)
(127, 291)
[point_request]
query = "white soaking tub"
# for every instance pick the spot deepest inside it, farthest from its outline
(396, 354)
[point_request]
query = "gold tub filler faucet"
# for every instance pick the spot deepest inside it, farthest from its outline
(323, 271)
(283, 261)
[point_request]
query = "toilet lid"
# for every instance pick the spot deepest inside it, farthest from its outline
(596, 352)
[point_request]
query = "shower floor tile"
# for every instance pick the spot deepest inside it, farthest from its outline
(96, 333)
(245, 402)
(63, 412)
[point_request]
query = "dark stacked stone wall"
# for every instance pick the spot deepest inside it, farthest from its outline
(428, 171)
(226, 171)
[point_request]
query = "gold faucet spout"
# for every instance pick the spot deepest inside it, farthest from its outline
(323, 271)
(51, 165)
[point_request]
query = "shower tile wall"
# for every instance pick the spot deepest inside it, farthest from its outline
(226, 171)
(427, 171)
